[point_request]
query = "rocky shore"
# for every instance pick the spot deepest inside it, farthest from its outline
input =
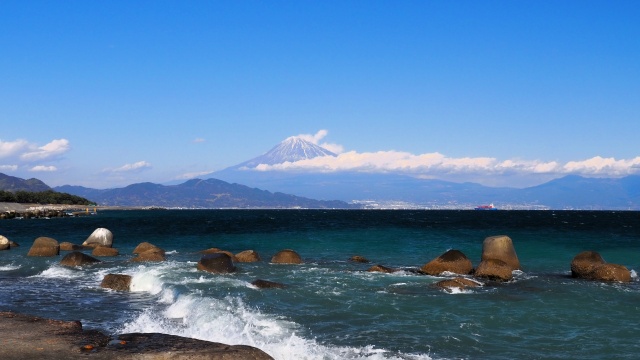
(29, 337)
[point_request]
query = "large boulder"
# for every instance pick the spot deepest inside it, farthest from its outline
(216, 251)
(117, 282)
(453, 261)
(286, 256)
(99, 236)
(5, 244)
(247, 256)
(584, 263)
(494, 269)
(77, 258)
(611, 272)
(153, 255)
(457, 283)
(104, 251)
(67, 246)
(500, 248)
(44, 246)
(590, 265)
(145, 246)
(218, 263)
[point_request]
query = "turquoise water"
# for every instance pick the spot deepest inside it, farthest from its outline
(333, 308)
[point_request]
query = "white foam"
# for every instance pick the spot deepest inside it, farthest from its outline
(10, 267)
(146, 280)
(59, 272)
(230, 321)
(634, 275)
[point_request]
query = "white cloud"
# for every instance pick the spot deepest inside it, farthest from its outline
(321, 134)
(192, 175)
(43, 168)
(10, 148)
(50, 150)
(433, 165)
(8, 167)
(138, 166)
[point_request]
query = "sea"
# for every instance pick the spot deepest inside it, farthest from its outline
(332, 308)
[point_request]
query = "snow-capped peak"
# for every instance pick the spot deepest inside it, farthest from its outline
(292, 149)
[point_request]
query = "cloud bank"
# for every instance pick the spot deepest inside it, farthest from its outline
(437, 165)
(22, 153)
(135, 167)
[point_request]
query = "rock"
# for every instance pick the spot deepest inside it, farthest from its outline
(105, 251)
(117, 282)
(218, 263)
(44, 246)
(458, 283)
(67, 246)
(13, 244)
(150, 255)
(213, 250)
(77, 258)
(29, 337)
(4, 243)
(248, 256)
(286, 256)
(494, 269)
(500, 248)
(265, 284)
(144, 246)
(453, 261)
(584, 263)
(359, 259)
(100, 236)
(611, 272)
(590, 265)
(380, 268)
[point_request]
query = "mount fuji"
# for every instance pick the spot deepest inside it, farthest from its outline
(291, 149)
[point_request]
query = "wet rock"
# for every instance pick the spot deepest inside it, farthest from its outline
(100, 236)
(67, 246)
(265, 284)
(77, 258)
(145, 246)
(153, 255)
(117, 282)
(248, 256)
(584, 263)
(4, 243)
(494, 269)
(218, 263)
(359, 259)
(104, 251)
(500, 248)
(44, 246)
(453, 261)
(611, 272)
(13, 244)
(382, 269)
(286, 256)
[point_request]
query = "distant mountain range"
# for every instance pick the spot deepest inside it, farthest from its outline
(223, 189)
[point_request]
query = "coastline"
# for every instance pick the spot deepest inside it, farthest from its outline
(31, 337)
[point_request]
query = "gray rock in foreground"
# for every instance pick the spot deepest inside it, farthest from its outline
(30, 337)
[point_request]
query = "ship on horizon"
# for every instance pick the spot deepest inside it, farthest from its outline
(486, 207)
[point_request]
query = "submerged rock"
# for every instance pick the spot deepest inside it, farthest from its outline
(453, 261)
(359, 259)
(44, 246)
(77, 258)
(382, 269)
(265, 284)
(458, 283)
(99, 236)
(286, 256)
(218, 263)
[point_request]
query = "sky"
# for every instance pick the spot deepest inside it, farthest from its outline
(504, 93)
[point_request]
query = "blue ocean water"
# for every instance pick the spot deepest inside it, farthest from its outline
(332, 308)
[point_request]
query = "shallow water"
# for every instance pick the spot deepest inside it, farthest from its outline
(333, 308)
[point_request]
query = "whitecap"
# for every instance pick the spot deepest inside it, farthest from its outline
(10, 267)
(59, 272)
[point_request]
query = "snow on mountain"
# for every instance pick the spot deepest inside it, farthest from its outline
(291, 149)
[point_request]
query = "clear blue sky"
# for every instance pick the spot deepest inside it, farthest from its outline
(108, 93)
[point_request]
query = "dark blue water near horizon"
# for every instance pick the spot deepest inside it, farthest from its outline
(333, 308)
